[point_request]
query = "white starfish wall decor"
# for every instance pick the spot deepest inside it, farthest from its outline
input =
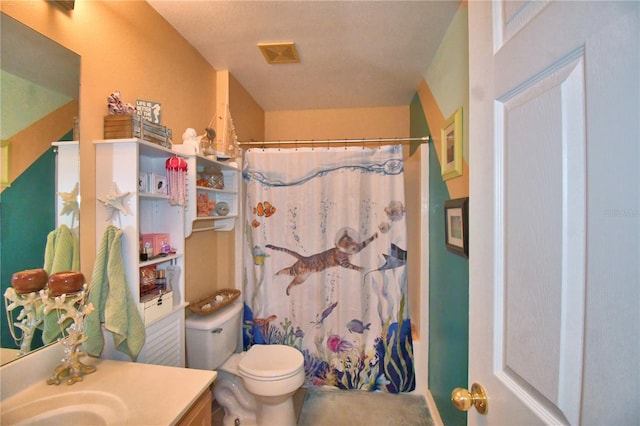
(115, 202)
(70, 201)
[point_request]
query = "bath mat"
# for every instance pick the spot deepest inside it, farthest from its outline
(333, 407)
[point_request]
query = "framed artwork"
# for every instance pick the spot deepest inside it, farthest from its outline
(143, 182)
(65, 4)
(451, 146)
(5, 147)
(456, 226)
(159, 183)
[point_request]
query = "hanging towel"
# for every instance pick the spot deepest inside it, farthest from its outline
(62, 251)
(113, 302)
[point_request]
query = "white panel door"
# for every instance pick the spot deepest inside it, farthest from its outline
(553, 157)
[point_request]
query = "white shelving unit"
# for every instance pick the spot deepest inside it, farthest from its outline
(123, 163)
(67, 177)
(229, 194)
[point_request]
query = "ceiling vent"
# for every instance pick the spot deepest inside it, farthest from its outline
(280, 52)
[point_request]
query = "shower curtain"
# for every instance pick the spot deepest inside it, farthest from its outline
(325, 263)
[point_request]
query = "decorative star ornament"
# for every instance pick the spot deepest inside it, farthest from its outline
(115, 202)
(70, 201)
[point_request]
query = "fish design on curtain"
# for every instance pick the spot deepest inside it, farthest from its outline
(325, 264)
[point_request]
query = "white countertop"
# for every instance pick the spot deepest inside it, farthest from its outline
(153, 394)
(7, 355)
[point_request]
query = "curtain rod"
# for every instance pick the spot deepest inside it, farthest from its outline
(424, 139)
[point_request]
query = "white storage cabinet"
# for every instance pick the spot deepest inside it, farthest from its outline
(229, 194)
(124, 162)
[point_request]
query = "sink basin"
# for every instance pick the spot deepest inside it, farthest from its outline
(118, 393)
(69, 408)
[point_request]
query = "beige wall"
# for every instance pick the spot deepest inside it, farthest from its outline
(351, 123)
(123, 46)
(210, 255)
(248, 116)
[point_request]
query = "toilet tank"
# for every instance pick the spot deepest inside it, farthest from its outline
(212, 338)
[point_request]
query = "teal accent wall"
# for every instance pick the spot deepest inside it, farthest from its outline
(448, 293)
(23, 237)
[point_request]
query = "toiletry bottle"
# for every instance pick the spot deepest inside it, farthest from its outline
(161, 280)
(143, 252)
(148, 249)
(165, 247)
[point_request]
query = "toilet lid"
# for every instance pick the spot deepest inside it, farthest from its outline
(271, 361)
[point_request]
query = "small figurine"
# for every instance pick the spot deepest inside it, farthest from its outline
(190, 138)
(116, 106)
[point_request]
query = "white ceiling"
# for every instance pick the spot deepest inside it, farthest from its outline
(353, 53)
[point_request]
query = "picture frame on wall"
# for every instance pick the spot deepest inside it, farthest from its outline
(65, 4)
(456, 226)
(5, 149)
(451, 146)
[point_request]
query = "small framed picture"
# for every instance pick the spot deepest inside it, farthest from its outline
(65, 4)
(143, 182)
(456, 226)
(451, 146)
(5, 150)
(159, 184)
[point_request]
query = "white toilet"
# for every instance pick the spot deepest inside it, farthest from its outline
(253, 387)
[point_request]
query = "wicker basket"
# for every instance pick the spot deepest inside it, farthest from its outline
(211, 304)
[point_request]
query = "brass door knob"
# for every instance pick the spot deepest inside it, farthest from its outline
(463, 399)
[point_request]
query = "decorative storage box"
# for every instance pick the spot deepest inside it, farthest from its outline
(157, 307)
(121, 126)
(160, 243)
(126, 126)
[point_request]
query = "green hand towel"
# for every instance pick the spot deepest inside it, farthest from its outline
(113, 302)
(62, 251)
(61, 254)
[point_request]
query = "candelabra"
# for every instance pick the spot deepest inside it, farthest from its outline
(29, 318)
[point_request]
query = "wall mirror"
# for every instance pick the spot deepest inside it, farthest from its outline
(39, 95)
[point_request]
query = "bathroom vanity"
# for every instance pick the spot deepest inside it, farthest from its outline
(117, 393)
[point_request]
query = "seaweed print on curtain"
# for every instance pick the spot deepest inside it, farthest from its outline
(325, 267)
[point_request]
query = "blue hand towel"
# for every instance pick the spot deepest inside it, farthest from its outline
(113, 302)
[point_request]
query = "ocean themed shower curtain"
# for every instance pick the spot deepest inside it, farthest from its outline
(325, 263)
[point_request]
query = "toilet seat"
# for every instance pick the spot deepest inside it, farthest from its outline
(231, 364)
(269, 362)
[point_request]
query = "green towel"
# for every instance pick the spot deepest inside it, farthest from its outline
(62, 253)
(113, 302)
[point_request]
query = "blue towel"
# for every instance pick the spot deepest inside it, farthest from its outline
(113, 302)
